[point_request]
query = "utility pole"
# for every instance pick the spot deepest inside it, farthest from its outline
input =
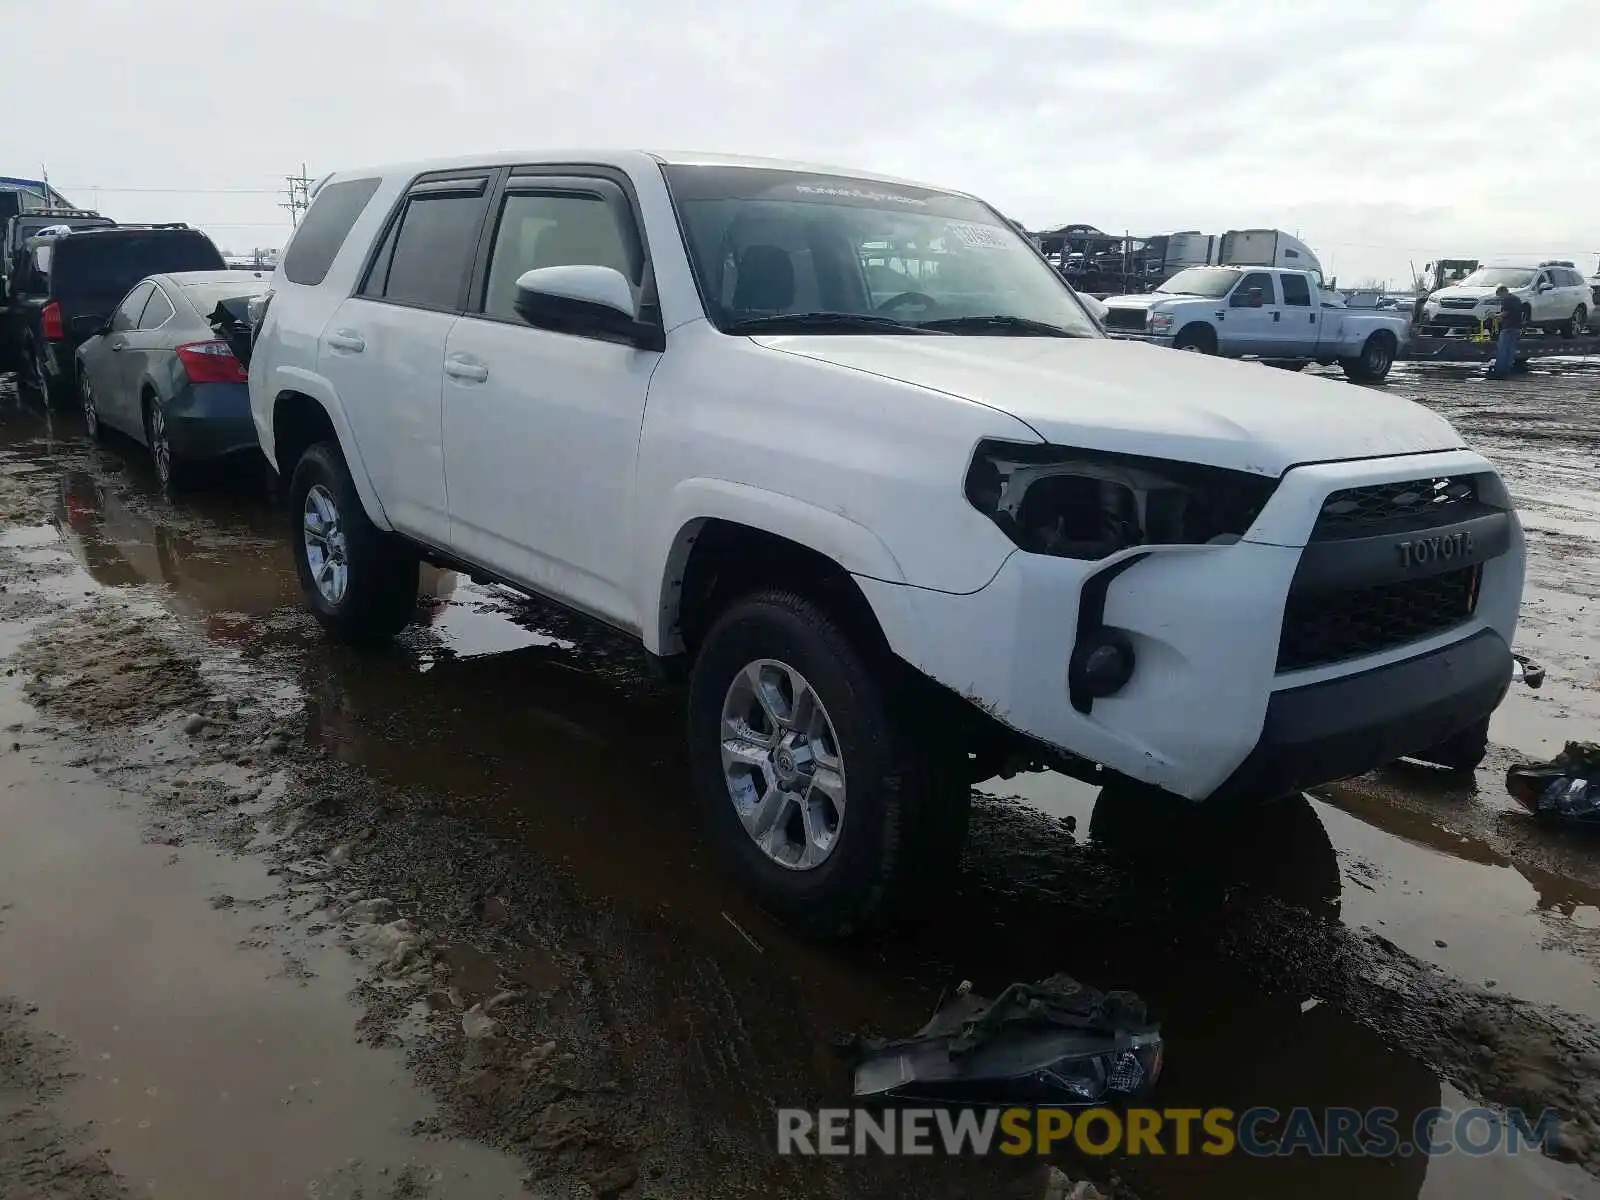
(299, 195)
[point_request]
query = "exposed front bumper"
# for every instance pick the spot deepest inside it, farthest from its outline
(1209, 697)
(1129, 335)
(1353, 724)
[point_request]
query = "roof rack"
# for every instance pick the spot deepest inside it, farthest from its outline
(60, 212)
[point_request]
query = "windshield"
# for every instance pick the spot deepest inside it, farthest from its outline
(1210, 282)
(107, 263)
(1510, 277)
(769, 243)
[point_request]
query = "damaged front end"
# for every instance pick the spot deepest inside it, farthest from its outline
(1056, 1042)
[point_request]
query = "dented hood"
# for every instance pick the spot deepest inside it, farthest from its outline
(1133, 398)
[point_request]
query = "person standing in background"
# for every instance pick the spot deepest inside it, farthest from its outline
(1505, 349)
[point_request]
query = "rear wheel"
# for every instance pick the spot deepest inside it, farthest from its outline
(169, 471)
(32, 381)
(1579, 324)
(91, 411)
(1373, 363)
(360, 582)
(833, 807)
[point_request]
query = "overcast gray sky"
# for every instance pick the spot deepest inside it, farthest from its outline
(1383, 131)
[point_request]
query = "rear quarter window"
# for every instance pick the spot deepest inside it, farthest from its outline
(331, 217)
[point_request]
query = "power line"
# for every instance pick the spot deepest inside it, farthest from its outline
(171, 191)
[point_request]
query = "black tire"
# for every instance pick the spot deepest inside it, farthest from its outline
(32, 381)
(1463, 751)
(1372, 365)
(905, 819)
(1197, 339)
(1286, 364)
(380, 595)
(1578, 325)
(172, 474)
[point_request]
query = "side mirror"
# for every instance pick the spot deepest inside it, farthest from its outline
(585, 299)
(87, 326)
(1547, 286)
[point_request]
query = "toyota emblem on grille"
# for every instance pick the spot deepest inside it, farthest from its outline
(1440, 547)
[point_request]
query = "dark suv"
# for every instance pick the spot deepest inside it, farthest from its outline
(67, 285)
(14, 235)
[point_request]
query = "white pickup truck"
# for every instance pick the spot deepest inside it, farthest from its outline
(849, 454)
(1270, 313)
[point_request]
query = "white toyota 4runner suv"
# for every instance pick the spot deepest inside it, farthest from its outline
(849, 452)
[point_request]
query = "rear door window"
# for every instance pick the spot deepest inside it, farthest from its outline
(328, 222)
(1296, 291)
(433, 250)
(555, 229)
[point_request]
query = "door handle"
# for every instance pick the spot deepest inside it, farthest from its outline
(343, 339)
(470, 372)
(1275, 316)
(1312, 317)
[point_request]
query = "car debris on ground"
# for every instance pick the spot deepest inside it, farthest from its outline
(1057, 1041)
(1566, 788)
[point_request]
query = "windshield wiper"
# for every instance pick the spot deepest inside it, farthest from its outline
(996, 324)
(826, 322)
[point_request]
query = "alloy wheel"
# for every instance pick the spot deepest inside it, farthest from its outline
(160, 447)
(782, 764)
(91, 418)
(323, 534)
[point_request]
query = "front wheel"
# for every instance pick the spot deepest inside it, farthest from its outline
(826, 805)
(1461, 752)
(1196, 339)
(360, 582)
(1373, 363)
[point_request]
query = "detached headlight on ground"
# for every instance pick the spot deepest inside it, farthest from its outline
(1087, 504)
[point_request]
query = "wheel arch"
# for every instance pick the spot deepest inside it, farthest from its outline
(300, 417)
(715, 523)
(1201, 329)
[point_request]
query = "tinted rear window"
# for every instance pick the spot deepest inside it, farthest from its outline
(113, 264)
(316, 243)
(206, 296)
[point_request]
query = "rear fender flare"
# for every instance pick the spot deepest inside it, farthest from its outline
(293, 379)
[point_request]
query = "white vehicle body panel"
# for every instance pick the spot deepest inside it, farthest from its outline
(584, 470)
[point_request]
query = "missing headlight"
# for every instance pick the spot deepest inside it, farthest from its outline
(1089, 504)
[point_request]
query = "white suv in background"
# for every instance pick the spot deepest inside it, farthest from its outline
(1554, 297)
(851, 455)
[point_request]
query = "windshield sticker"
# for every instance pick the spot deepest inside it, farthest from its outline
(812, 189)
(981, 237)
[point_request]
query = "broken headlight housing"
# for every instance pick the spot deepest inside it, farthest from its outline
(1089, 504)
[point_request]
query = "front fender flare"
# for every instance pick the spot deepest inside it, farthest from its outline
(670, 536)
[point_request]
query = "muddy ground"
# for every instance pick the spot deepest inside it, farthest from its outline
(278, 919)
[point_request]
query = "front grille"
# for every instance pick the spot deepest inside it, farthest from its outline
(1124, 318)
(1408, 504)
(1329, 627)
(1458, 304)
(1452, 321)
